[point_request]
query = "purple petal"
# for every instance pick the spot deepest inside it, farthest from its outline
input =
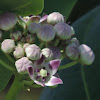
(53, 65)
(41, 60)
(43, 18)
(30, 71)
(54, 81)
(39, 83)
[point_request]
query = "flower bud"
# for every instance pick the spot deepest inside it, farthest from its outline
(47, 53)
(30, 38)
(72, 51)
(16, 35)
(73, 31)
(0, 34)
(63, 31)
(56, 53)
(8, 45)
(19, 52)
(74, 40)
(22, 64)
(25, 45)
(55, 18)
(46, 33)
(33, 52)
(7, 21)
(33, 28)
(86, 55)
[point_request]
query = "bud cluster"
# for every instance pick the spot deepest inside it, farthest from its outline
(48, 37)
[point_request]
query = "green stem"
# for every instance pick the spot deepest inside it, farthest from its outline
(28, 82)
(41, 45)
(10, 58)
(84, 83)
(6, 65)
(56, 42)
(15, 89)
(68, 65)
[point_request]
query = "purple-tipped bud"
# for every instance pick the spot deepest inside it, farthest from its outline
(55, 18)
(7, 21)
(0, 34)
(33, 28)
(63, 31)
(33, 52)
(86, 55)
(46, 33)
(30, 38)
(8, 45)
(56, 53)
(16, 35)
(74, 40)
(72, 51)
(47, 53)
(25, 45)
(19, 52)
(22, 64)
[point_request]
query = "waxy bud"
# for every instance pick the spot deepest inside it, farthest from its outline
(72, 51)
(7, 21)
(33, 28)
(30, 38)
(25, 45)
(19, 52)
(55, 18)
(22, 64)
(63, 31)
(0, 34)
(8, 45)
(74, 40)
(46, 33)
(47, 53)
(56, 53)
(33, 52)
(16, 35)
(86, 55)
(51, 53)
(73, 31)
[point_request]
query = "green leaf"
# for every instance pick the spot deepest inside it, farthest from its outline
(22, 7)
(87, 31)
(5, 74)
(62, 6)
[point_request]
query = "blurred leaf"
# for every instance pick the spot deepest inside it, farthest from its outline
(62, 6)
(5, 74)
(22, 7)
(87, 31)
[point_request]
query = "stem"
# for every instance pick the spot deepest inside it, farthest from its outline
(28, 82)
(6, 65)
(16, 87)
(56, 43)
(68, 65)
(10, 58)
(41, 45)
(84, 83)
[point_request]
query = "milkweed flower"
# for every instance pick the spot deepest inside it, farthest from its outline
(43, 73)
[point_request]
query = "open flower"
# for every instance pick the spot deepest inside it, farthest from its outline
(43, 73)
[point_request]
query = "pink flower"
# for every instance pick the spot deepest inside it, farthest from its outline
(43, 73)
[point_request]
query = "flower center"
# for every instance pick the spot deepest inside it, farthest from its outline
(43, 73)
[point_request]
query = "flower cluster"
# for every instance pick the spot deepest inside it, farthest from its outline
(42, 44)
